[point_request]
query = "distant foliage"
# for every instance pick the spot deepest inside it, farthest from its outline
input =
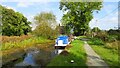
(14, 23)
(95, 32)
(115, 33)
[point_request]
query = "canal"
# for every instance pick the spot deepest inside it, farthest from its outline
(38, 55)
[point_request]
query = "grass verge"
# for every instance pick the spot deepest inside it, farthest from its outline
(76, 52)
(110, 55)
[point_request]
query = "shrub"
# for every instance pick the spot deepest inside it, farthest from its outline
(96, 41)
(45, 31)
(102, 35)
(114, 32)
(111, 38)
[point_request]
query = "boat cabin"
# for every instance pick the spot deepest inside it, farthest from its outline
(62, 41)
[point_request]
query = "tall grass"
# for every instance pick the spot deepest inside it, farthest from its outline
(22, 44)
(5, 39)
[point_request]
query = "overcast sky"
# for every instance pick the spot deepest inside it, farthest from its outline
(107, 18)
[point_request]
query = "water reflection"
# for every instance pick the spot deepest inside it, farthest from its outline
(58, 51)
(29, 58)
(37, 57)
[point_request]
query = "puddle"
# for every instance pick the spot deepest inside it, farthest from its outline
(36, 57)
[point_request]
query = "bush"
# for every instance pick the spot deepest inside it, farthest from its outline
(111, 38)
(115, 33)
(96, 41)
(102, 35)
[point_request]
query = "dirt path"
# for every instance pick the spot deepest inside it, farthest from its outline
(92, 58)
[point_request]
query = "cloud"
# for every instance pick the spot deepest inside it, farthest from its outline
(105, 24)
(27, 4)
(111, 0)
(118, 13)
(30, 18)
(54, 0)
(107, 18)
(0, 2)
(30, 0)
(24, 4)
(58, 21)
(111, 20)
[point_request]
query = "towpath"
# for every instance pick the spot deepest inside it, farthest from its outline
(93, 59)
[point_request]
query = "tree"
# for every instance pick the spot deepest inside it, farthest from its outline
(46, 22)
(96, 29)
(78, 15)
(14, 23)
(46, 17)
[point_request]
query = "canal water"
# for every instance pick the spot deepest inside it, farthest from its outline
(35, 57)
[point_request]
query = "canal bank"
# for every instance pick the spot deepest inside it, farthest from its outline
(19, 55)
(73, 55)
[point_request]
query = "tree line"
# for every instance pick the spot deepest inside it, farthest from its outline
(77, 18)
(16, 24)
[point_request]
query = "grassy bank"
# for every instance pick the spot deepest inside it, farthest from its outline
(74, 51)
(23, 44)
(110, 55)
(5, 39)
